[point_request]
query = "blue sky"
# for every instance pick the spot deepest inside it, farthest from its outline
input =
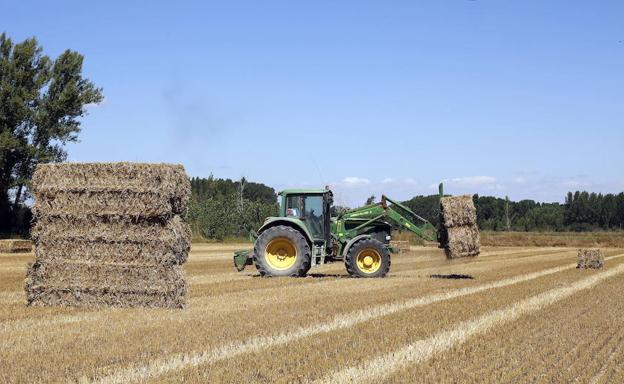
(518, 98)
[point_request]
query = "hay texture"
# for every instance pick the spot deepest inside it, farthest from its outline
(109, 234)
(110, 189)
(458, 227)
(15, 246)
(590, 259)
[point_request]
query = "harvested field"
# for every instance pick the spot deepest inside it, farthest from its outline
(527, 314)
(611, 239)
(15, 246)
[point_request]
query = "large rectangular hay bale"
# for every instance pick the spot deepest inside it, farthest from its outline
(462, 241)
(89, 284)
(590, 259)
(134, 253)
(15, 246)
(92, 298)
(105, 276)
(113, 240)
(110, 189)
(457, 210)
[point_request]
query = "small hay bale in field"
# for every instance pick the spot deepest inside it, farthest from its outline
(457, 210)
(590, 259)
(462, 242)
(15, 246)
(109, 234)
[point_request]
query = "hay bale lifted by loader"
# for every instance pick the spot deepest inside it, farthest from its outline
(459, 234)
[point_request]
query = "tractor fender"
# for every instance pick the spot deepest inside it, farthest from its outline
(353, 241)
(287, 221)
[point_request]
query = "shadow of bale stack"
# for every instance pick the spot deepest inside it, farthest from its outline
(590, 259)
(109, 234)
(15, 246)
(458, 226)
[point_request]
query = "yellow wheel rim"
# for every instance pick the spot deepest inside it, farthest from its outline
(368, 260)
(281, 253)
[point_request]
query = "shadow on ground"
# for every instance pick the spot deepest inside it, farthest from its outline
(452, 276)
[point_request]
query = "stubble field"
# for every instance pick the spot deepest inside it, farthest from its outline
(521, 314)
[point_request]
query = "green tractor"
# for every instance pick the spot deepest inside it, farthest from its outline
(305, 235)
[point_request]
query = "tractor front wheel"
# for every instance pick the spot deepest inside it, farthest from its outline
(282, 251)
(368, 258)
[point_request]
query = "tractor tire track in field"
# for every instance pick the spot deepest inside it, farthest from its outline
(598, 378)
(420, 351)
(325, 285)
(175, 362)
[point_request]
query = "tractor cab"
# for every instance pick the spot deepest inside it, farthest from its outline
(312, 208)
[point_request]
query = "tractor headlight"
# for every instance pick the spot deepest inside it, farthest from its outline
(388, 237)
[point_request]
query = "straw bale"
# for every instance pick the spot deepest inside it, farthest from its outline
(134, 253)
(95, 285)
(462, 241)
(107, 203)
(90, 298)
(15, 246)
(168, 179)
(105, 189)
(171, 235)
(109, 234)
(590, 259)
(118, 277)
(457, 210)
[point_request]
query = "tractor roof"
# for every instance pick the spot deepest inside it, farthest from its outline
(303, 191)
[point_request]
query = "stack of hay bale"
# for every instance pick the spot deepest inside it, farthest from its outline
(109, 234)
(590, 259)
(15, 246)
(458, 227)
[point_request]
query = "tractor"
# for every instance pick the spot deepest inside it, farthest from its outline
(306, 235)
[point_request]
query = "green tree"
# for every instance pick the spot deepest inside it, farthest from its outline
(370, 200)
(41, 103)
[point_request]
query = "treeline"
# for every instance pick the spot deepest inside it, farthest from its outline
(582, 211)
(222, 208)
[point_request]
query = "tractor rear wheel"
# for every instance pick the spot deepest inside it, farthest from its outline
(368, 258)
(282, 251)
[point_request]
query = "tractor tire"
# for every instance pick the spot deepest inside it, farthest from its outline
(368, 258)
(282, 251)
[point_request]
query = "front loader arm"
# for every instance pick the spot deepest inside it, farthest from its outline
(403, 217)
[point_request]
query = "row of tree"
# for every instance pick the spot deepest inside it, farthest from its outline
(222, 208)
(582, 211)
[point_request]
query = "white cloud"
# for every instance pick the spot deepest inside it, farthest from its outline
(387, 180)
(519, 180)
(355, 181)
